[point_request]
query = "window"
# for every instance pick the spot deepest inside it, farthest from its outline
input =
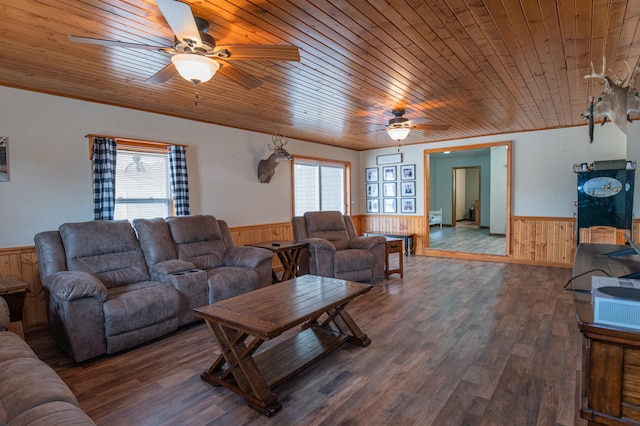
(142, 185)
(319, 185)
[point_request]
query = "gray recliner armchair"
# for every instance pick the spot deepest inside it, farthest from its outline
(336, 250)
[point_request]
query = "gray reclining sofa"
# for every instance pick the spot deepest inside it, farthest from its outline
(111, 288)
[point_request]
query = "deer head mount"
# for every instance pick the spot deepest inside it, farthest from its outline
(618, 100)
(267, 168)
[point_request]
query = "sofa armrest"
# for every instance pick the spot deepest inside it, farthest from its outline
(247, 257)
(367, 243)
(162, 270)
(4, 314)
(71, 285)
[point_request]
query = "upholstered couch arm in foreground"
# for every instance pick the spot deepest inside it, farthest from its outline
(31, 393)
(4, 315)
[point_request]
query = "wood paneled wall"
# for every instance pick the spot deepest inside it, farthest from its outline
(22, 263)
(534, 240)
(543, 240)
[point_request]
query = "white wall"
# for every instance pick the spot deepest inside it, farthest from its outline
(498, 196)
(543, 182)
(50, 171)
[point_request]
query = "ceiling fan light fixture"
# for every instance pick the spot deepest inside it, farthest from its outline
(195, 68)
(398, 133)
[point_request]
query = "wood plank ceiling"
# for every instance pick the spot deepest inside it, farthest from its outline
(483, 66)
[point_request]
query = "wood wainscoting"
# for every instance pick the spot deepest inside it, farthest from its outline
(22, 262)
(546, 241)
(549, 241)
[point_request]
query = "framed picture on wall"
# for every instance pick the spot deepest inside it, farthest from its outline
(390, 205)
(389, 189)
(408, 205)
(371, 174)
(389, 173)
(372, 190)
(408, 172)
(407, 189)
(373, 205)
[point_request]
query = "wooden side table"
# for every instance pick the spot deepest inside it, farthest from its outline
(291, 256)
(13, 290)
(406, 237)
(394, 246)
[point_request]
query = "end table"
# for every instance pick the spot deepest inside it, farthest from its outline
(394, 246)
(13, 290)
(290, 255)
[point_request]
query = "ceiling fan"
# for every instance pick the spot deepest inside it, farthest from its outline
(194, 54)
(400, 127)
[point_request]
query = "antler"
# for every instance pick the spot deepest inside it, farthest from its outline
(623, 82)
(602, 75)
(278, 141)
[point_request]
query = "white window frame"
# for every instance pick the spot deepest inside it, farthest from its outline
(320, 162)
(146, 150)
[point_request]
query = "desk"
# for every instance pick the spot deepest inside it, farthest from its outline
(406, 237)
(610, 384)
(318, 303)
(13, 290)
(291, 256)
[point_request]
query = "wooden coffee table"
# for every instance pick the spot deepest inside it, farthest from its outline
(243, 323)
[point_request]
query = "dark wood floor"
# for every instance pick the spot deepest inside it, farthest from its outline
(455, 342)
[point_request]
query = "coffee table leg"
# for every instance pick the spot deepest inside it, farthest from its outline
(345, 323)
(249, 382)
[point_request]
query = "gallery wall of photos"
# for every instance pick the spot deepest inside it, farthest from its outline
(391, 189)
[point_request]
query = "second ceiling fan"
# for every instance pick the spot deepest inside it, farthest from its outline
(399, 127)
(195, 55)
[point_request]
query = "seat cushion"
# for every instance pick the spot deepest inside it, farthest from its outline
(352, 260)
(227, 282)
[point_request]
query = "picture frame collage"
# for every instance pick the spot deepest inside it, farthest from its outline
(391, 189)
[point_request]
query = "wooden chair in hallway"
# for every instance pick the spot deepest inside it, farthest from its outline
(603, 235)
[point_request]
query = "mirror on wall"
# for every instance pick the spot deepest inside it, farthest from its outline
(471, 185)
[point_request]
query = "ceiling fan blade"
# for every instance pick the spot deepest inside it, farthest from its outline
(237, 75)
(115, 43)
(431, 126)
(163, 75)
(418, 120)
(180, 18)
(257, 52)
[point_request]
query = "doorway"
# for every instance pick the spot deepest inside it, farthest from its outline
(465, 195)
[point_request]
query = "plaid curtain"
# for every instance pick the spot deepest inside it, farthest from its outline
(104, 178)
(179, 180)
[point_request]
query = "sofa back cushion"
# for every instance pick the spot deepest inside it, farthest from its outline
(198, 240)
(328, 225)
(155, 240)
(107, 249)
